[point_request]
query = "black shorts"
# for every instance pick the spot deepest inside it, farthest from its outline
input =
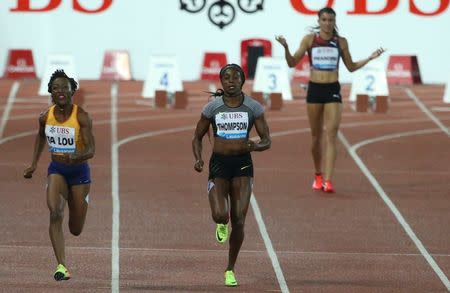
(230, 166)
(321, 93)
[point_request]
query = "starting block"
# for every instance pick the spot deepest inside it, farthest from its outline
(177, 100)
(160, 99)
(362, 103)
(378, 104)
(276, 101)
(180, 101)
(381, 104)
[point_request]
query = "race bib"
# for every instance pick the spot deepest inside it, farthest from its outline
(60, 139)
(325, 58)
(232, 125)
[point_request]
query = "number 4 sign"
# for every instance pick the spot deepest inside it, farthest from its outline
(163, 74)
(370, 80)
(272, 77)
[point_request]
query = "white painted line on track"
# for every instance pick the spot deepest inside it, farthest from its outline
(440, 109)
(115, 238)
(394, 136)
(8, 107)
(154, 133)
(18, 135)
(424, 109)
(262, 228)
(200, 251)
(114, 134)
(268, 243)
(352, 151)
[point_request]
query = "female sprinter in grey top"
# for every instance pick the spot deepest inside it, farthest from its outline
(232, 115)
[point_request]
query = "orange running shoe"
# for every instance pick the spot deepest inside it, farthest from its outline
(318, 180)
(328, 187)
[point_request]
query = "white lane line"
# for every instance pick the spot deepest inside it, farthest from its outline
(18, 135)
(262, 228)
(352, 151)
(268, 243)
(424, 109)
(153, 133)
(394, 136)
(115, 245)
(9, 103)
(440, 109)
(200, 251)
(147, 135)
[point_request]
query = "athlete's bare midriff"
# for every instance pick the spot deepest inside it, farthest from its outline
(230, 146)
(322, 76)
(64, 159)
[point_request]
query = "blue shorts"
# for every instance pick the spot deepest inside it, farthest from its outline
(74, 175)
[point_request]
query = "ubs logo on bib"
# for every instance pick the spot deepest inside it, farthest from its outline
(222, 13)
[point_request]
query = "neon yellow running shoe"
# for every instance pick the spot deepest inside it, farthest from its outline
(230, 280)
(222, 232)
(61, 273)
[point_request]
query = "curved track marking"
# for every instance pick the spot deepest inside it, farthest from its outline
(352, 151)
(427, 112)
(288, 132)
(258, 216)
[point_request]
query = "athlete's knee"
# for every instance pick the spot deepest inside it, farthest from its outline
(220, 217)
(315, 140)
(75, 230)
(238, 222)
(56, 215)
(331, 136)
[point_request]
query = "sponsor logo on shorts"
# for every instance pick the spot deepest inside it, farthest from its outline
(245, 167)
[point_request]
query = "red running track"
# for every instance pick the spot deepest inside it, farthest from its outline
(162, 239)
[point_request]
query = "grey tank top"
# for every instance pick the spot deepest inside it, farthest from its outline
(232, 123)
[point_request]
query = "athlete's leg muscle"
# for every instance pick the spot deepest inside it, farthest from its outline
(315, 116)
(57, 191)
(78, 205)
(218, 199)
(332, 122)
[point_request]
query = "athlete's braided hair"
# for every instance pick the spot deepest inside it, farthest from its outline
(234, 66)
(60, 73)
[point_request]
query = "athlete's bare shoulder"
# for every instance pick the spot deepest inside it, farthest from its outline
(83, 116)
(342, 42)
(43, 115)
(308, 39)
